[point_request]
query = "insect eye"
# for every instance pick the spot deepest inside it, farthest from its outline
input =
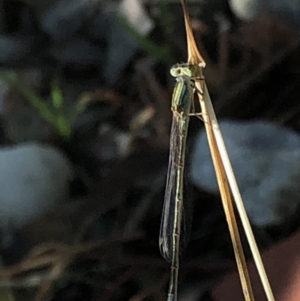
(178, 71)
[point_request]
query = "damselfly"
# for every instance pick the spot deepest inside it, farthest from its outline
(189, 84)
(173, 205)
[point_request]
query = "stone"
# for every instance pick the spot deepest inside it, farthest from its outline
(14, 48)
(33, 180)
(247, 10)
(63, 18)
(265, 160)
(122, 43)
(77, 51)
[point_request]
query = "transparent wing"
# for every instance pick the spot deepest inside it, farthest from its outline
(176, 158)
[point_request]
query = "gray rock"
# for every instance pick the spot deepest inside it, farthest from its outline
(121, 47)
(33, 179)
(247, 9)
(250, 9)
(288, 10)
(266, 162)
(78, 51)
(65, 17)
(122, 43)
(98, 26)
(14, 48)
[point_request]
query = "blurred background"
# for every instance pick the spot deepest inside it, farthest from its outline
(85, 95)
